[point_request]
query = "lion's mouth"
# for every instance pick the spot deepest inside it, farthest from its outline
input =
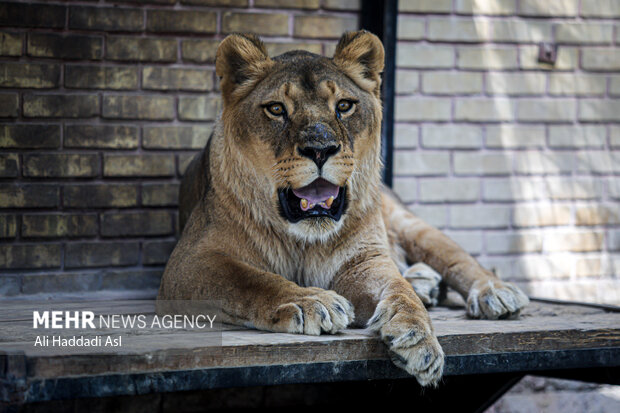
(319, 199)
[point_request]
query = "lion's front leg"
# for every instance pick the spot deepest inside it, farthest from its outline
(487, 296)
(495, 299)
(387, 304)
(309, 311)
(251, 297)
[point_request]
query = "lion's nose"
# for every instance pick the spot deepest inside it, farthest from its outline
(319, 155)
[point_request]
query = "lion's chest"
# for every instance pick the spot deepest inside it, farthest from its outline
(308, 270)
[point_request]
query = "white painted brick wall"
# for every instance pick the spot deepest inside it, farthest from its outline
(574, 137)
(564, 8)
(601, 58)
(451, 136)
(506, 83)
(479, 7)
(600, 8)
(451, 83)
(517, 160)
(515, 136)
(487, 58)
(433, 190)
(577, 84)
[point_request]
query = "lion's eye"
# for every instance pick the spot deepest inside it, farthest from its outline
(276, 109)
(344, 106)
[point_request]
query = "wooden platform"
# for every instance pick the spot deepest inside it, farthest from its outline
(546, 337)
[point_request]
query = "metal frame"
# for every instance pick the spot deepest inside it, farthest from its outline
(380, 18)
(586, 364)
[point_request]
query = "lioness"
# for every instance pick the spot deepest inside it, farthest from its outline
(285, 220)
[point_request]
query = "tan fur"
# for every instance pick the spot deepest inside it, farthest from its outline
(317, 275)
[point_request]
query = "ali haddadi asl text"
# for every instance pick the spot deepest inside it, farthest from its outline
(78, 341)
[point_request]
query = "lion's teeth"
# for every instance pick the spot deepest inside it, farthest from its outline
(306, 205)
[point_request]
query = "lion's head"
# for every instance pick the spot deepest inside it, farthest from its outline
(302, 131)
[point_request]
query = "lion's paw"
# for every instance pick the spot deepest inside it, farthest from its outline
(323, 311)
(410, 339)
(495, 299)
(425, 281)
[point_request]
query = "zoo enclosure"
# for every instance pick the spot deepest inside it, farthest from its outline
(103, 103)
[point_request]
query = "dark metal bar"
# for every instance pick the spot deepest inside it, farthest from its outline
(379, 17)
(21, 390)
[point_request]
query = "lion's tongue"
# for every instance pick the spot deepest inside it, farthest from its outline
(318, 192)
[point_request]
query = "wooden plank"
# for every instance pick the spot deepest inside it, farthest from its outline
(457, 337)
(561, 317)
(542, 327)
(547, 336)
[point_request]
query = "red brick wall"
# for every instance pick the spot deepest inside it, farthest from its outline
(102, 104)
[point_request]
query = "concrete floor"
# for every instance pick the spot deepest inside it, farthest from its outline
(542, 395)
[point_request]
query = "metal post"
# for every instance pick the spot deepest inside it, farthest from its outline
(379, 17)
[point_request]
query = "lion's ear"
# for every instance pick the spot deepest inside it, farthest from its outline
(240, 62)
(361, 55)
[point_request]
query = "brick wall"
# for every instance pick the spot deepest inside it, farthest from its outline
(102, 104)
(518, 161)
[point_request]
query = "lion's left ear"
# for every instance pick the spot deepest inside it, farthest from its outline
(361, 56)
(241, 61)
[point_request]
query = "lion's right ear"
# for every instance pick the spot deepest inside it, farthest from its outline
(360, 54)
(241, 61)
